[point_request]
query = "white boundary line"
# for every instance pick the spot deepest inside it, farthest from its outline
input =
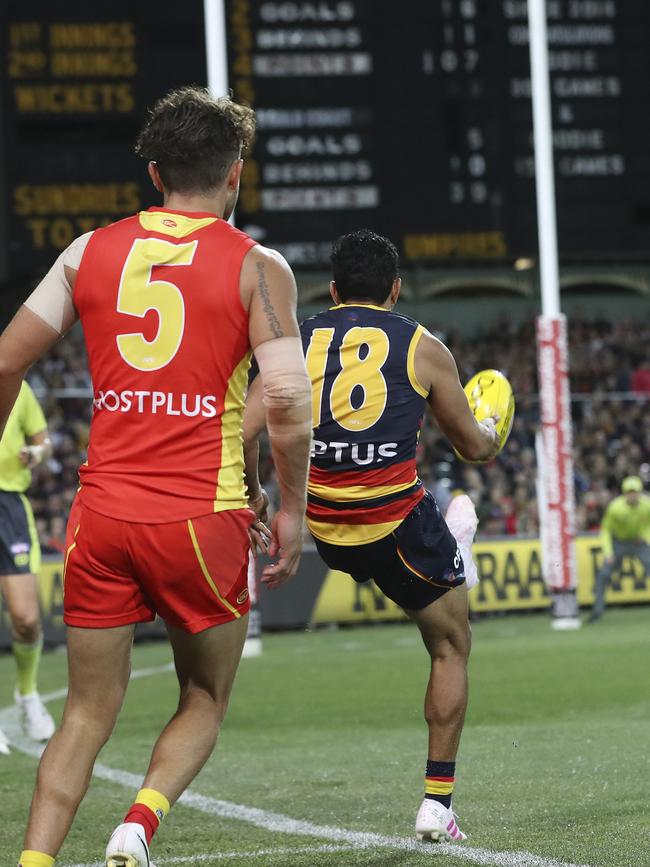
(276, 822)
(252, 854)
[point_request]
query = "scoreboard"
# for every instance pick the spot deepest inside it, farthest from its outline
(78, 78)
(412, 118)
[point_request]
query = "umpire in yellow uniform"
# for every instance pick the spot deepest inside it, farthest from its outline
(24, 444)
(625, 532)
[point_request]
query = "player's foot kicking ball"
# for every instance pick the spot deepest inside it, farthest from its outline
(128, 847)
(462, 520)
(37, 722)
(4, 744)
(436, 823)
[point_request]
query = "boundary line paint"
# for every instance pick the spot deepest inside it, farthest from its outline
(326, 848)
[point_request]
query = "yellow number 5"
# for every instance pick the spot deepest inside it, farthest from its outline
(138, 294)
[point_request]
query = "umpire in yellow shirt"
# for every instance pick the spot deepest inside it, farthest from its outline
(24, 444)
(625, 532)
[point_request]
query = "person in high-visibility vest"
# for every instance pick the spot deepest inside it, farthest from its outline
(625, 532)
(24, 444)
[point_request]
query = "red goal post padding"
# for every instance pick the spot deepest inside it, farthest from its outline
(557, 517)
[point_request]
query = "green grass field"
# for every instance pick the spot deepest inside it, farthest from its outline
(326, 728)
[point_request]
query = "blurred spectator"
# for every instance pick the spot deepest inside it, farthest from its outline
(640, 382)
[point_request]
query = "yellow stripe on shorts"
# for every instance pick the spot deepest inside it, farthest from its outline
(206, 574)
(35, 547)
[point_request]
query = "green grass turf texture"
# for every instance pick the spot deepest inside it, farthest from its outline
(327, 726)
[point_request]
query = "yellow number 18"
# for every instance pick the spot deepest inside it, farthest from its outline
(359, 371)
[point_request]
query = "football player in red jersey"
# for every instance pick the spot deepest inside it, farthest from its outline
(373, 372)
(173, 301)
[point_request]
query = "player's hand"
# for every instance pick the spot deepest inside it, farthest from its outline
(286, 545)
(260, 537)
(30, 456)
(489, 424)
(258, 532)
(260, 505)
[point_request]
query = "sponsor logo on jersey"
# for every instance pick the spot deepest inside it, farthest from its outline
(361, 454)
(171, 223)
(156, 402)
(243, 596)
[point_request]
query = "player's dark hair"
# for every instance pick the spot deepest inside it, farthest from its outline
(364, 266)
(194, 138)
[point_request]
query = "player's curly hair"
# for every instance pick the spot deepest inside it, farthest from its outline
(194, 138)
(364, 266)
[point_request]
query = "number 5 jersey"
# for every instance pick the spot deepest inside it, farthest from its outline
(367, 408)
(168, 350)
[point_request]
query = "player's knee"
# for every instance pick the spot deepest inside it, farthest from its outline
(454, 642)
(93, 720)
(212, 700)
(26, 627)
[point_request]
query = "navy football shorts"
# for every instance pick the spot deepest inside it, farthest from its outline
(20, 552)
(414, 565)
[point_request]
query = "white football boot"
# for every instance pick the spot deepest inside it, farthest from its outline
(128, 847)
(436, 823)
(462, 521)
(4, 744)
(37, 722)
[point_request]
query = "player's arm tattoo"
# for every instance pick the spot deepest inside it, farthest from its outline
(271, 317)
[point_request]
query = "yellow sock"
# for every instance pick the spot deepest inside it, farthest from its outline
(27, 658)
(29, 858)
(149, 809)
(156, 802)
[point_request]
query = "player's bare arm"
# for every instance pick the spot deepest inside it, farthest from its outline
(436, 371)
(24, 340)
(45, 316)
(269, 292)
(258, 499)
(253, 424)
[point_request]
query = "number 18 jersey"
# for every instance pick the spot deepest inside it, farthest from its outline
(168, 349)
(367, 408)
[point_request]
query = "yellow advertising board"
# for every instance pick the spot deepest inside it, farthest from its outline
(511, 580)
(342, 600)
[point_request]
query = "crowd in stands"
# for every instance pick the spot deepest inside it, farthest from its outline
(610, 386)
(55, 483)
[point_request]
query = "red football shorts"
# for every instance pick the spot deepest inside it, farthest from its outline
(192, 573)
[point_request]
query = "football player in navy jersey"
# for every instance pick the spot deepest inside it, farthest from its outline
(373, 373)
